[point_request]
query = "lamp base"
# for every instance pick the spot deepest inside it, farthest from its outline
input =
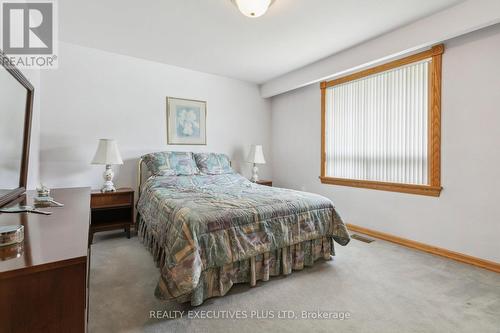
(255, 173)
(108, 188)
(108, 185)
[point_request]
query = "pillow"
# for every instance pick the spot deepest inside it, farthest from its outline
(213, 164)
(183, 163)
(170, 163)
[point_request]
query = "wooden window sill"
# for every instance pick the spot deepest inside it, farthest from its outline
(433, 191)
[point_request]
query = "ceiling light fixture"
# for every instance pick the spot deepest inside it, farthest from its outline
(253, 8)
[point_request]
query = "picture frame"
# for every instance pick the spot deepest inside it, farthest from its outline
(186, 121)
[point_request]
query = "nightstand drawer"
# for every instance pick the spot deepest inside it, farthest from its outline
(107, 200)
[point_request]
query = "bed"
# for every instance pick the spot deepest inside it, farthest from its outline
(208, 230)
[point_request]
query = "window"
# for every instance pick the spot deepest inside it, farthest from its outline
(381, 126)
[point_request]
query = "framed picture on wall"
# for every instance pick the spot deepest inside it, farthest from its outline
(186, 122)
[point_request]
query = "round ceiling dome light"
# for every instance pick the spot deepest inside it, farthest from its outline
(253, 8)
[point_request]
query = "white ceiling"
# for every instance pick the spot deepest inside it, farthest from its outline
(213, 37)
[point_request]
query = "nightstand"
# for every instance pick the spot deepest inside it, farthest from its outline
(265, 182)
(112, 210)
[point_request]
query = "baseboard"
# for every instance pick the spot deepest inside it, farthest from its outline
(489, 265)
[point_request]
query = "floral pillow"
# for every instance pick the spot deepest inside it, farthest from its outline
(213, 164)
(170, 163)
(183, 163)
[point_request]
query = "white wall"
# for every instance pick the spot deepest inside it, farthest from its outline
(96, 94)
(466, 218)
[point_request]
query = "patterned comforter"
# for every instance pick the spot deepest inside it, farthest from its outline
(205, 221)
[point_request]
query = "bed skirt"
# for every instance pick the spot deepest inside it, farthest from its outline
(217, 281)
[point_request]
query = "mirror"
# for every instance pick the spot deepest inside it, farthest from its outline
(16, 99)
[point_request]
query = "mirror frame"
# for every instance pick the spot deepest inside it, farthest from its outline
(23, 178)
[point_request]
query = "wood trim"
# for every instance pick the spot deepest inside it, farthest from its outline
(486, 264)
(435, 121)
(434, 126)
(434, 51)
(323, 129)
(23, 178)
(433, 191)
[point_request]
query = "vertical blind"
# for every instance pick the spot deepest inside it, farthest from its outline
(377, 127)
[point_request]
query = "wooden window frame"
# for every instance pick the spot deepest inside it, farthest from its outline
(434, 129)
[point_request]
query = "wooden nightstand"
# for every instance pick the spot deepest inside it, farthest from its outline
(112, 210)
(265, 182)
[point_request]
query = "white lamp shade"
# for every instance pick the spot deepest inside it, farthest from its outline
(107, 153)
(253, 8)
(256, 155)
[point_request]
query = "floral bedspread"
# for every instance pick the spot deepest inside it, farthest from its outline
(193, 223)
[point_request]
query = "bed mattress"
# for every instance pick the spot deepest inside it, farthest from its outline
(193, 224)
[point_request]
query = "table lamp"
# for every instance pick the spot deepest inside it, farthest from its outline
(256, 156)
(107, 154)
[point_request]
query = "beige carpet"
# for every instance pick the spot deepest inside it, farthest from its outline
(383, 287)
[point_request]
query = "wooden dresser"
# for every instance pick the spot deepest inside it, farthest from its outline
(44, 287)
